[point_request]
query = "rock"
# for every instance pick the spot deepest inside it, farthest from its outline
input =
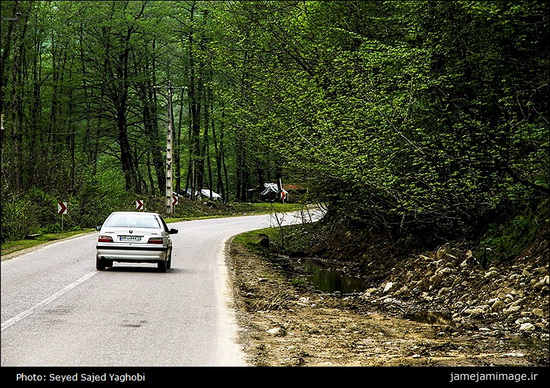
(478, 310)
(444, 290)
(511, 309)
(468, 262)
(370, 291)
(540, 270)
(445, 271)
(435, 279)
(527, 327)
(542, 283)
(538, 312)
(426, 296)
(497, 305)
(521, 321)
(403, 291)
(276, 332)
(518, 302)
(388, 287)
(513, 354)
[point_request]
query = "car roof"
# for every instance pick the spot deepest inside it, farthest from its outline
(136, 213)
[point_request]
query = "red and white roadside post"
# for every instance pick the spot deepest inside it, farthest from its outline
(62, 208)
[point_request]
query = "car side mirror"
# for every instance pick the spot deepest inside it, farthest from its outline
(98, 228)
(173, 231)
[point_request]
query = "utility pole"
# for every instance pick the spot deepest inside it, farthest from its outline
(169, 149)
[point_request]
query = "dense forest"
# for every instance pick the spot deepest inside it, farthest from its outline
(408, 116)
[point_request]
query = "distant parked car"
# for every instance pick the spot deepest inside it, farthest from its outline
(134, 237)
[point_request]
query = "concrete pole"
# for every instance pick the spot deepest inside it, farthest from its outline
(169, 150)
(169, 144)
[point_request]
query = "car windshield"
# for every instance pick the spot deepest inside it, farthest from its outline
(133, 221)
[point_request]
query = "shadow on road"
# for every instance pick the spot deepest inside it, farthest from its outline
(128, 268)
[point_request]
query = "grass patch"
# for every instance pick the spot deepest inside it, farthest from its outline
(215, 210)
(252, 241)
(266, 207)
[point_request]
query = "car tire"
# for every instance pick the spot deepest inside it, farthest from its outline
(169, 261)
(162, 266)
(100, 264)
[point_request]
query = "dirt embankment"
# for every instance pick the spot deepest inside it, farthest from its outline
(436, 309)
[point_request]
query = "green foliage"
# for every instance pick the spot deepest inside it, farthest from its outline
(414, 117)
(27, 214)
(17, 220)
(418, 116)
(509, 237)
(99, 195)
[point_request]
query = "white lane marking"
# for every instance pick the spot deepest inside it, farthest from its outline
(46, 301)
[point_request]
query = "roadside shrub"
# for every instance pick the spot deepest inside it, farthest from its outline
(98, 196)
(17, 219)
(506, 238)
(43, 206)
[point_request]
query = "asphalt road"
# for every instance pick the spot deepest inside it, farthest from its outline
(57, 310)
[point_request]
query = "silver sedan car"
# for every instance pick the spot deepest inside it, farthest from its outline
(134, 237)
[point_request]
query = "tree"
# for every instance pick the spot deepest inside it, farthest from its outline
(409, 116)
(405, 115)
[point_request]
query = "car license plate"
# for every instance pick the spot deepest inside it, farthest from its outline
(129, 238)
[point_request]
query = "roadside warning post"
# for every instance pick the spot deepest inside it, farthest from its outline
(139, 204)
(62, 209)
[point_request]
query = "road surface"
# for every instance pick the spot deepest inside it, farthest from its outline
(57, 310)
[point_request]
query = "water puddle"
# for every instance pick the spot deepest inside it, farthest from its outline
(431, 317)
(528, 343)
(331, 280)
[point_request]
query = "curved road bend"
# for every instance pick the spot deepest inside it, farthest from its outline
(57, 310)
